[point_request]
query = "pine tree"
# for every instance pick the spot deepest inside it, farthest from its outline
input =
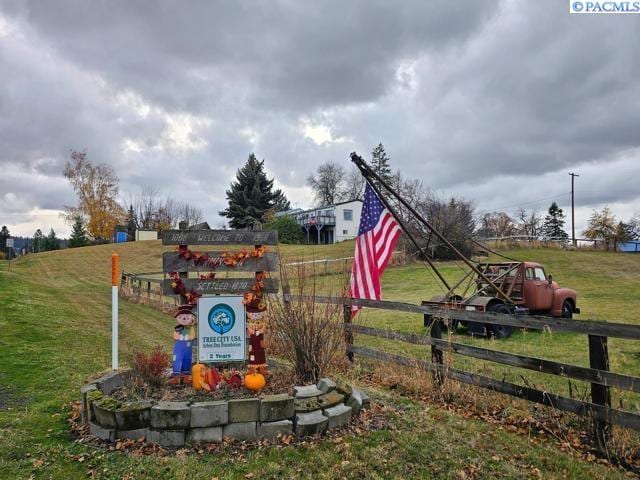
(38, 242)
(553, 226)
(78, 234)
(280, 202)
(4, 234)
(251, 195)
(380, 164)
(132, 223)
(51, 242)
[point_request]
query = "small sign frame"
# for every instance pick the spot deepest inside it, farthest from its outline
(222, 331)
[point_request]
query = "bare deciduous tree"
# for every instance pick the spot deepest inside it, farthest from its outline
(327, 183)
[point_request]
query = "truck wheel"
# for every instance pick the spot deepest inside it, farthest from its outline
(567, 309)
(499, 331)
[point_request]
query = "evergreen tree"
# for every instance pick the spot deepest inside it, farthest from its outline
(280, 202)
(78, 234)
(553, 226)
(4, 234)
(380, 164)
(51, 242)
(38, 242)
(251, 195)
(132, 223)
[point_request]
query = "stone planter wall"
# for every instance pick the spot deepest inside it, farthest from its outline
(311, 410)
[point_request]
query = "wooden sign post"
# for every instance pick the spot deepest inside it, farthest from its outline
(208, 264)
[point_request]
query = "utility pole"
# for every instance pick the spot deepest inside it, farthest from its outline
(573, 215)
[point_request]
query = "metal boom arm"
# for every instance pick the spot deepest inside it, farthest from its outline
(368, 174)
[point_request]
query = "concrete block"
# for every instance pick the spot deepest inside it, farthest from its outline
(312, 423)
(358, 400)
(167, 438)
(240, 431)
(91, 397)
(338, 415)
(276, 407)
(171, 415)
(244, 410)
(209, 414)
(326, 400)
(105, 412)
(330, 399)
(326, 385)
(273, 429)
(108, 434)
(136, 434)
(205, 434)
(306, 391)
(133, 416)
(84, 390)
(109, 382)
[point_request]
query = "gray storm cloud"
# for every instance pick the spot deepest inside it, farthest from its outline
(494, 101)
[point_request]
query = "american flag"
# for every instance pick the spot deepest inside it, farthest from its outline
(377, 237)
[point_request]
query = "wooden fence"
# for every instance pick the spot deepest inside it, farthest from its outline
(147, 288)
(598, 374)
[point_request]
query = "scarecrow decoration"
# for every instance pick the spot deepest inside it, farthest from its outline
(183, 336)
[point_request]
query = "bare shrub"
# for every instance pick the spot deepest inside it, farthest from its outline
(308, 334)
(151, 367)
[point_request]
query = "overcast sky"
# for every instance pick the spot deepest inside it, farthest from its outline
(493, 101)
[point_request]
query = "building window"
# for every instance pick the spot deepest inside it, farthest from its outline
(348, 214)
(345, 232)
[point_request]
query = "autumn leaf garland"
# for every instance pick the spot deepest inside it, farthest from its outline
(230, 259)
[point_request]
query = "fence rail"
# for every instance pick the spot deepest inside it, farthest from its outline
(597, 374)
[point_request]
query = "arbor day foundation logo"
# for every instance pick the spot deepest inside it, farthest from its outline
(221, 318)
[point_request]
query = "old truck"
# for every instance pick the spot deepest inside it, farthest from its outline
(512, 288)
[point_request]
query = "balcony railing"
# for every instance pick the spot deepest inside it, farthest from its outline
(317, 220)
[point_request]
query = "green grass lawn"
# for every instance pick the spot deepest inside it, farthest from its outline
(55, 323)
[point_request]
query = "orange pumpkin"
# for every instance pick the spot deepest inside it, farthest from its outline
(254, 381)
(198, 373)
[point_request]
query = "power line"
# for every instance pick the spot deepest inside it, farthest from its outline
(520, 204)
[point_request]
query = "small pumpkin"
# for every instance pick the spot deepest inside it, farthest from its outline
(198, 374)
(254, 381)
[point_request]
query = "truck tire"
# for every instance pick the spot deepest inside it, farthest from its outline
(567, 309)
(499, 331)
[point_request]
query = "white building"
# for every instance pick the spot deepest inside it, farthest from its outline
(330, 224)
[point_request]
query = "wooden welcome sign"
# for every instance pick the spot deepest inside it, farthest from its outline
(214, 261)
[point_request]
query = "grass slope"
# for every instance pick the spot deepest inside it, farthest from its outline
(55, 323)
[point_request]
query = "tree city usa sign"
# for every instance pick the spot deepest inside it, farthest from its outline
(221, 329)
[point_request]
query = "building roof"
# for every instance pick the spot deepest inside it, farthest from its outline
(200, 226)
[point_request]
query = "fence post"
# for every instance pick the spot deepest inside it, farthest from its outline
(348, 333)
(600, 394)
(436, 353)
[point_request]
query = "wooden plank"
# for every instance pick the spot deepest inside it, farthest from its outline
(348, 332)
(619, 417)
(435, 333)
(221, 285)
(219, 237)
(601, 377)
(601, 395)
(589, 327)
(172, 262)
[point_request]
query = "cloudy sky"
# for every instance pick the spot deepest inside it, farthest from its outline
(495, 101)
